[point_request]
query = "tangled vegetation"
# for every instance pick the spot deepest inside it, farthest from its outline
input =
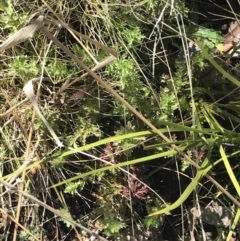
(119, 118)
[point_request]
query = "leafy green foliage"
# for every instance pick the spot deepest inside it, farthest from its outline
(66, 213)
(10, 19)
(33, 230)
(23, 235)
(132, 36)
(84, 129)
(74, 187)
(153, 221)
(57, 69)
(147, 74)
(128, 82)
(24, 67)
(113, 228)
(208, 37)
(81, 53)
(173, 95)
(128, 144)
(124, 70)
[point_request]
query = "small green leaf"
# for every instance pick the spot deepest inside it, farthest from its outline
(66, 213)
(220, 47)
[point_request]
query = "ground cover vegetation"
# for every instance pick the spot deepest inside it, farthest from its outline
(133, 134)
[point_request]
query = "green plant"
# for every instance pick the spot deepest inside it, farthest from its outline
(57, 69)
(84, 129)
(10, 19)
(65, 212)
(115, 152)
(24, 67)
(73, 187)
(210, 38)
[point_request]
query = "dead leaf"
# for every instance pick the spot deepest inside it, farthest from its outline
(23, 34)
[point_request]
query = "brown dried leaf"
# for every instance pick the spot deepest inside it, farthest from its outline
(23, 34)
